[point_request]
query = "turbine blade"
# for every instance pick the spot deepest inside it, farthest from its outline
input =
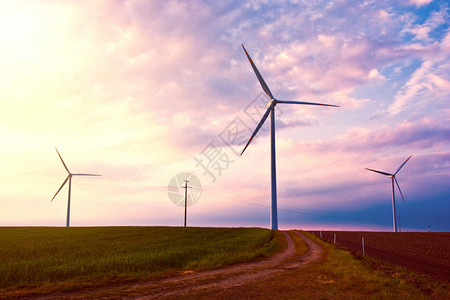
(398, 185)
(67, 178)
(266, 114)
(306, 103)
(261, 80)
(403, 164)
(384, 173)
(62, 161)
(80, 174)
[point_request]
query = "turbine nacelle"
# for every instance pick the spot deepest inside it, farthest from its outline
(272, 101)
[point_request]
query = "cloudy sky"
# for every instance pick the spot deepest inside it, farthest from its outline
(140, 91)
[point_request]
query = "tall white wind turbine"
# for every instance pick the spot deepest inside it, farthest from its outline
(271, 109)
(392, 176)
(69, 178)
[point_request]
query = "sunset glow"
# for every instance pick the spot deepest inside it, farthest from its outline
(140, 91)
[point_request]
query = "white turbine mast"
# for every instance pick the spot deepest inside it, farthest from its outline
(392, 176)
(271, 109)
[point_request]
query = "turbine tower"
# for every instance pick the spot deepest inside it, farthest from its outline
(271, 110)
(69, 178)
(392, 176)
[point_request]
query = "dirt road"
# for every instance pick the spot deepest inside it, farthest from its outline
(209, 281)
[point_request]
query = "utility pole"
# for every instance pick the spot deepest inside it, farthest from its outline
(185, 187)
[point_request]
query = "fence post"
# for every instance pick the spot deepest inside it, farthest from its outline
(321, 234)
(335, 238)
(364, 254)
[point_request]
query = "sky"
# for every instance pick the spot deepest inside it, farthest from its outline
(141, 91)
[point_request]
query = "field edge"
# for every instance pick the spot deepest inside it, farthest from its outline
(427, 284)
(270, 248)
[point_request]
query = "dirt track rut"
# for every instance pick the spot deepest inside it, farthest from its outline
(224, 278)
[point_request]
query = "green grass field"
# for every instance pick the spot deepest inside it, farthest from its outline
(43, 260)
(67, 257)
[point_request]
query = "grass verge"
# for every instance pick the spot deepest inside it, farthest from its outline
(436, 289)
(40, 260)
(336, 274)
(342, 276)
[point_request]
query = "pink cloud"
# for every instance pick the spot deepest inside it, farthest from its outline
(423, 134)
(427, 82)
(420, 3)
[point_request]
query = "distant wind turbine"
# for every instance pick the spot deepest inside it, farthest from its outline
(69, 178)
(392, 176)
(271, 109)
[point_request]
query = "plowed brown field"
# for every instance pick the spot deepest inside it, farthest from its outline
(422, 252)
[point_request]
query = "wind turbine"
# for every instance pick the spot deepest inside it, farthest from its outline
(271, 109)
(392, 176)
(69, 178)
